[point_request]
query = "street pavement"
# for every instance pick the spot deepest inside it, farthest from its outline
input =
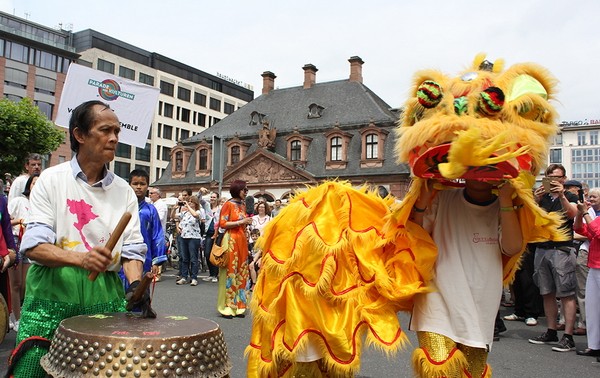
(511, 357)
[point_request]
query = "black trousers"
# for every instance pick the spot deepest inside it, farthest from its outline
(528, 301)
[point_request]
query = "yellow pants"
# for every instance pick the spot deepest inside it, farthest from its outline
(438, 357)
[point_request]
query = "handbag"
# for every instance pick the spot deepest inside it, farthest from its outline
(219, 254)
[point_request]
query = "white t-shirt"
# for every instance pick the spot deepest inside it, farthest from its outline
(17, 187)
(468, 271)
(83, 216)
(19, 208)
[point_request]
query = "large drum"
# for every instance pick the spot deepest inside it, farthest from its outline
(125, 345)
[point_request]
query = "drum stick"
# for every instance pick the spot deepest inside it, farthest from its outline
(114, 238)
(140, 290)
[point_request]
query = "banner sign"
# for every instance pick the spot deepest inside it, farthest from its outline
(134, 103)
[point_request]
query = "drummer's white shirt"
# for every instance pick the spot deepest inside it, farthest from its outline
(81, 216)
(468, 271)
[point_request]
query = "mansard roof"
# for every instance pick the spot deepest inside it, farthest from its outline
(349, 105)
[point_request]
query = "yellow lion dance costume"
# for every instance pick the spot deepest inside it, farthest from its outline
(339, 263)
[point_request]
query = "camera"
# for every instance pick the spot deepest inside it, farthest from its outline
(180, 203)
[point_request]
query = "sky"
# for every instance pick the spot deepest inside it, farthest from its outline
(242, 39)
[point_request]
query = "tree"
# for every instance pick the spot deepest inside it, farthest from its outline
(24, 129)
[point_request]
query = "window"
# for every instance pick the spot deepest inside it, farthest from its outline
(183, 94)
(45, 60)
(143, 153)
(167, 88)
(228, 108)
(295, 151)
(146, 79)
(127, 73)
(16, 51)
(216, 86)
(336, 149)
(166, 154)
(122, 169)
(315, 111)
(168, 132)
(555, 156)
(185, 115)
(235, 154)
(45, 85)
(558, 140)
(168, 110)
(215, 104)
(106, 66)
(199, 99)
(203, 159)
(123, 150)
(594, 137)
(15, 78)
(160, 107)
(179, 161)
(581, 138)
(13, 98)
(371, 146)
(45, 107)
(201, 119)
(185, 134)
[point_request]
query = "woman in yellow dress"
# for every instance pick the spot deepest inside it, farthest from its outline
(232, 300)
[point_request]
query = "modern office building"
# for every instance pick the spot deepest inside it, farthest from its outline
(190, 100)
(577, 147)
(34, 61)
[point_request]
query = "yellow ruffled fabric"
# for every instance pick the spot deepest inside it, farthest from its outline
(329, 273)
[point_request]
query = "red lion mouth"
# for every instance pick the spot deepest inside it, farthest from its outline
(425, 165)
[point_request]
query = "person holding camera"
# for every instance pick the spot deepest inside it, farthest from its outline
(555, 261)
(190, 219)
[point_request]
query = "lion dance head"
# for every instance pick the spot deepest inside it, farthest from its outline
(485, 124)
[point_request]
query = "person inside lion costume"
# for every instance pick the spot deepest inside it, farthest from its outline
(339, 263)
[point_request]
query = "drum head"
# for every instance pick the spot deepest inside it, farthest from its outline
(3, 319)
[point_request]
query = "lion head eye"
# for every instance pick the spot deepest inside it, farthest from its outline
(491, 101)
(429, 94)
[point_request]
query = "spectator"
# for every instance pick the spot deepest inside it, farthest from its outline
(75, 206)
(232, 299)
(176, 215)
(215, 208)
(591, 229)
(276, 208)
(32, 165)
(8, 256)
(151, 229)
(163, 211)
(19, 210)
(255, 258)
(554, 260)
(191, 216)
(262, 217)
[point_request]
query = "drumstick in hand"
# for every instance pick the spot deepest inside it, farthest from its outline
(114, 238)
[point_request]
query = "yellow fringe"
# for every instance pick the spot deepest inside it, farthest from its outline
(451, 368)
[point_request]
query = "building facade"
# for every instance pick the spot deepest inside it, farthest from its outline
(292, 137)
(190, 100)
(34, 60)
(577, 147)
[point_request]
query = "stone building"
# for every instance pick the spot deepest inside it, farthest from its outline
(292, 137)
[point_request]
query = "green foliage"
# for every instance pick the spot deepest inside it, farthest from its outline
(24, 129)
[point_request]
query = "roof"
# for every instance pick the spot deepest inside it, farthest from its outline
(349, 104)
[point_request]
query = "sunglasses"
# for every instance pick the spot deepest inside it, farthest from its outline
(245, 190)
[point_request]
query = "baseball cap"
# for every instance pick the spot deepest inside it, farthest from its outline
(573, 183)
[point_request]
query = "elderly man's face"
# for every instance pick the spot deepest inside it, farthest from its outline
(100, 143)
(33, 167)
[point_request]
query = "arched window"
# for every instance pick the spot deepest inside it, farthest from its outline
(295, 151)
(235, 154)
(371, 146)
(336, 149)
(179, 161)
(203, 159)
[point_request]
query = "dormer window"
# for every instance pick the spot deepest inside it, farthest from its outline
(315, 111)
(372, 143)
(297, 148)
(338, 143)
(256, 118)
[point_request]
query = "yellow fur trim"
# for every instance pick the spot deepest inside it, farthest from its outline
(426, 368)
